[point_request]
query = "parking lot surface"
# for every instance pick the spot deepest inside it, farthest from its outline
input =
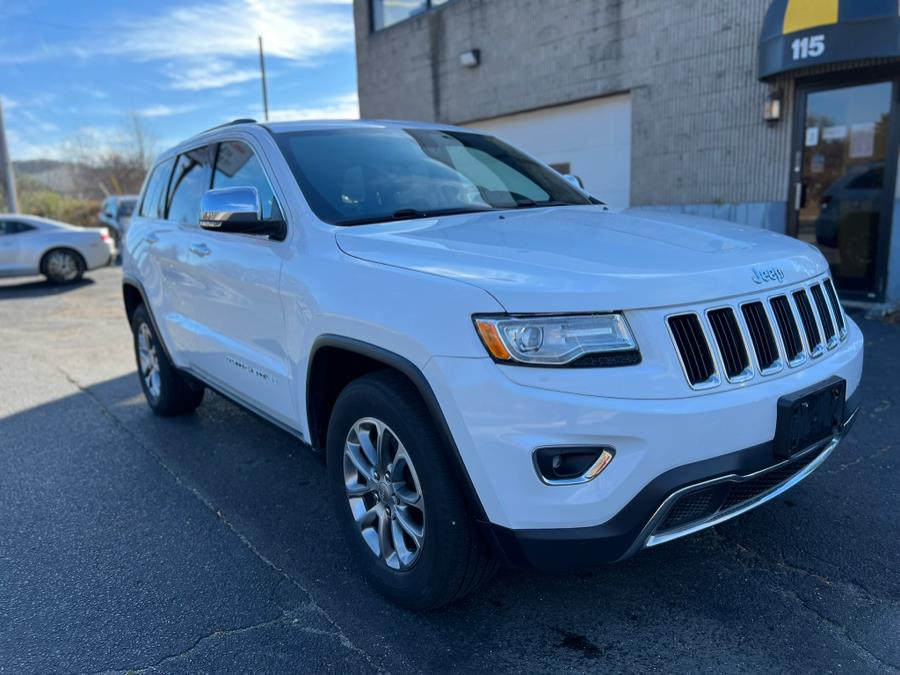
(207, 543)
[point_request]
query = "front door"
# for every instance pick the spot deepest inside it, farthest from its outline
(842, 188)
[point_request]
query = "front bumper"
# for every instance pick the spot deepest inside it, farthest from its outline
(678, 503)
(662, 446)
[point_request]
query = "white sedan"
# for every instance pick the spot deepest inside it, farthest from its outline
(62, 253)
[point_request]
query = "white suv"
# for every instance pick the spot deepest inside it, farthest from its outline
(498, 368)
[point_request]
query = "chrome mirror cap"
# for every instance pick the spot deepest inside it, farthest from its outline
(230, 206)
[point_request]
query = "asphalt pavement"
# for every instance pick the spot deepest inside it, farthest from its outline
(207, 543)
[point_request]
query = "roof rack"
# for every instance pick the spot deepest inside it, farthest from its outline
(239, 120)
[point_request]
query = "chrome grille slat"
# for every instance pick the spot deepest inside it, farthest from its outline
(760, 335)
(730, 342)
(836, 308)
(787, 327)
(693, 350)
(810, 326)
(825, 318)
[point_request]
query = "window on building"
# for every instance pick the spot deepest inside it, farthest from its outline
(238, 166)
(388, 12)
(153, 203)
(190, 180)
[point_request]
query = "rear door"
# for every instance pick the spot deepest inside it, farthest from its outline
(235, 297)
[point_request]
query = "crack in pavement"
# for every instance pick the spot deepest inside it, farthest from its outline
(345, 641)
(741, 552)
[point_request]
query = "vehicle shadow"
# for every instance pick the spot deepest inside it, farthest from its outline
(692, 604)
(38, 287)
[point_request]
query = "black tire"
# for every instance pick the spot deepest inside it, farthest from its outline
(172, 393)
(453, 560)
(63, 266)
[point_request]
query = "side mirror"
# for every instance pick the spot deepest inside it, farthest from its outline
(237, 210)
(574, 180)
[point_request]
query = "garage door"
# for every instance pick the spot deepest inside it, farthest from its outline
(591, 139)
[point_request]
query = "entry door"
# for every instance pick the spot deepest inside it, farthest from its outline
(843, 181)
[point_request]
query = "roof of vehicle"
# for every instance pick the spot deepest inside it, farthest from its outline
(313, 125)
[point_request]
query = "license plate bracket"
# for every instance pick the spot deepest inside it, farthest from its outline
(809, 416)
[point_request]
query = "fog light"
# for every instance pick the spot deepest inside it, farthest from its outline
(571, 466)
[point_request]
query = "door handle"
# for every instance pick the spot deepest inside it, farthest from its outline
(201, 250)
(151, 239)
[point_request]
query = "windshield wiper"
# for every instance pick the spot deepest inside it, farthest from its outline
(531, 204)
(412, 214)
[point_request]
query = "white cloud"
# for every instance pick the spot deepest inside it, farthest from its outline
(165, 110)
(201, 42)
(299, 30)
(208, 74)
(344, 107)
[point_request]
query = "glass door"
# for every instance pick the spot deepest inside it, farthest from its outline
(842, 189)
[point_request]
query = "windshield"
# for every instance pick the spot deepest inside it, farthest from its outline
(367, 175)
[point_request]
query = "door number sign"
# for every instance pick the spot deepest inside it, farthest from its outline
(807, 47)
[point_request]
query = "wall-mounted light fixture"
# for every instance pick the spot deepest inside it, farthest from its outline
(772, 106)
(470, 59)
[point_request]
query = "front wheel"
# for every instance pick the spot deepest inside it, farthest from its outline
(395, 497)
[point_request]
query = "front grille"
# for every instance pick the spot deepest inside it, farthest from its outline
(728, 338)
(719, 499)
(761, 335)
(692, 348)
(773, 327)
(787, 326)
(824, 314)
(835, 305)
(813, 337)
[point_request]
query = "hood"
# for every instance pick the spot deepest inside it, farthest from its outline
(587, 258)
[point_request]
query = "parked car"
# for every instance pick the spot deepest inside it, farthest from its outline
(62, 253)
(115, 213)
(497, 368)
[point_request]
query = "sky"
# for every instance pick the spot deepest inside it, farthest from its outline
(74, 72)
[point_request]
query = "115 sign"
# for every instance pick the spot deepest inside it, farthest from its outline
(808, 47)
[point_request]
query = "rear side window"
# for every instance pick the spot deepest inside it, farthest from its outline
(153, 204)
(238, 166)
(13, 227)
(190, 180)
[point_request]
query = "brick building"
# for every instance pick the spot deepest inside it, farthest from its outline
(774, 113)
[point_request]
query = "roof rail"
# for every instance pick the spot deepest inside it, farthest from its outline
(239, 120)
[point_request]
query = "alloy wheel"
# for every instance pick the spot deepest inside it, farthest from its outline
(384, 493)
(62, 266)
(149, 360)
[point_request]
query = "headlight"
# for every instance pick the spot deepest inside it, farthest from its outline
(558, 340)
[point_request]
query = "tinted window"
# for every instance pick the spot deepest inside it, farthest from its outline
(126, 206)
(154, 195)
(190, 180)
(237, 166)
(353, 176)
(13, 227)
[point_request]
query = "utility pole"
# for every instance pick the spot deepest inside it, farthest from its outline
(262, 74)
(9, 180)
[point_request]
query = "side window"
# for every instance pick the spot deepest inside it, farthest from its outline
(237, 166)
(190, 180)
(13, 227)
(153, 204)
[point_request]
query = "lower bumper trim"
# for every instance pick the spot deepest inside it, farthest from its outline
(642, 523)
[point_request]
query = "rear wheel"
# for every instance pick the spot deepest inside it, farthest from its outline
(397, 503)
(167, 391)
(63, 266)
